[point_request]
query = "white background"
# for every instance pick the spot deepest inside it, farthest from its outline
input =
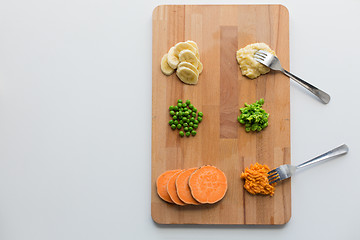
(75, 122)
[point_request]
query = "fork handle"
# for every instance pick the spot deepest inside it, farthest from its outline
(323, 96)
(343, 149)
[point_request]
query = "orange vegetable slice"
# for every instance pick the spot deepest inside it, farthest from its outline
(161, 185)
(208, 184)
(171, 189)
(182, 187)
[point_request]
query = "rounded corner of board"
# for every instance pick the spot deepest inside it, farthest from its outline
(285, 9)
(286, 220)
(157, 9)
(156, 220)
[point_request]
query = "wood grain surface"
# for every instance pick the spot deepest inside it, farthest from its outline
(220, 30)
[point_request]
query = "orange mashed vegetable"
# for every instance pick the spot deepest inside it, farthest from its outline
(256, 181)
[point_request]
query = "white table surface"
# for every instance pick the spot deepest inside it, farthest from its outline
(75, 122)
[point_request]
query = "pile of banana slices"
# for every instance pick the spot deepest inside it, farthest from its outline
(185, 58)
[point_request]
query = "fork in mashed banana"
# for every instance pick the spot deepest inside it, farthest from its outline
(248, 65)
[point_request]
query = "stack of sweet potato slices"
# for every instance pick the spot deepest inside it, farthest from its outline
(193, 186)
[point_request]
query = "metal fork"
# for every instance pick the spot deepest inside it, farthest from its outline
(273, 62)
(286, 171)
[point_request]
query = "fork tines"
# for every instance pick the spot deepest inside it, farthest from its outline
(273, 176)
(261, 55)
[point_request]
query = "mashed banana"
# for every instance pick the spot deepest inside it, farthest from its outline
(248, 65)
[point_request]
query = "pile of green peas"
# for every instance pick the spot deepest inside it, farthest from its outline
(185, 118)
(253, 116)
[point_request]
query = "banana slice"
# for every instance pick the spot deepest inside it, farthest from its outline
(189, 65)
(200, 67)
(184, 46)
(172, 59)
(197, 55)
(186, 75)
(165, 68)
(188, 56)
(192, 43)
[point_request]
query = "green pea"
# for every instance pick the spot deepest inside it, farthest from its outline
(253, 116)
(184, 115)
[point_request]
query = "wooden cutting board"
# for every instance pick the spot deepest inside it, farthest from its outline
(220, 30)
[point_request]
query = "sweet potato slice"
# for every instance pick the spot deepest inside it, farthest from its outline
(171, 189)
(208, 184)
(182, 187)
(161, 184)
